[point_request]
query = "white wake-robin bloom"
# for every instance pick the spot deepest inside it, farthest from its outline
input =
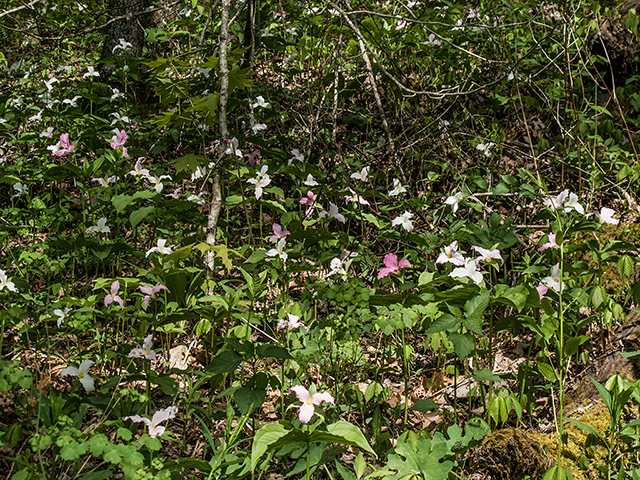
(261, 103)
(279, 250)
(6, 283)
(451, 255)
(362, 175)
(146, 351)
(397, 188)
(454, 200)
(484, 147)
(101, 227)
(554, 281)
(307, 409)
(606, 216)
(404, 220)
(469, 269)
(160, 248)
(572, 204)
(296, 156)
(310, 181)
(82, 372)
(336, 268)
(61, 314)
(160, 416)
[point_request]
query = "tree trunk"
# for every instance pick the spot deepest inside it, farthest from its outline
(130, 29)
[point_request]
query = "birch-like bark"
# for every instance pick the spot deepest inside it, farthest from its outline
(216, 187)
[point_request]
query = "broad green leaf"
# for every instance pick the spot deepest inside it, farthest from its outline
(547, 371)
(248, 398)
(463, 344)
(350, 435)
(273, 351)
(485, 375)
(73, 450)
(344, 472)
(189, 162)
(139, 215)
(446, 322)
(264, 438)
(571, 347)
(625, 266)
(425, 405)
(239, 78)
(224, 362)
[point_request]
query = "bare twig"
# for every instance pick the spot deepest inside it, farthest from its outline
(17, 9)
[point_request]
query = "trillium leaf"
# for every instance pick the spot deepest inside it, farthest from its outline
(139, 215)
(224, 362)
(446, 322)
(463, 344)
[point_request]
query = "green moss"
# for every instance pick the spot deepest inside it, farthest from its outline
(510, 454)
(579, 460)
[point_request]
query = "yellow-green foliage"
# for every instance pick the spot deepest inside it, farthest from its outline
(581, 468)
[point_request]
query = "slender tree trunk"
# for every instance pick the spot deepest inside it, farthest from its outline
(216, 188)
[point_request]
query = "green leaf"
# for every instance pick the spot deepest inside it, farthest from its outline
(99, 475)
(359, 465)
(547, 372)
(249, 399)
(125, 434)
(373, 220)
(349, 435)
(189, 163)
(168, 385)
(571, 347)
(425, 405)
(73, 450)
(264, 438)
(344, 472)
(485, 375)
(463, 344)
(121, 202)
(136, 217)
(239, 78)
(273, 351)
(224, 362)
(424, 458)
(446, 322)
(474, 309)
(625, 266)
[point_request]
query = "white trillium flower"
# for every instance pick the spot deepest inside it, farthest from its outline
(397, 188)
(82, 372)
(336, 268)
(554, 281)
(6, 283)
(310, 181)
(296, 156)
(123, 45)
(261, 103)
(91, 72)
(199, 199)
(454, 200)
(470, 269)
(606, 216)
(404, 220)
(362, 175)
(484, 147)
(572, 204)
(61, 314)
(21, 189)
(279, 250)
(160, 248)
(101, 227)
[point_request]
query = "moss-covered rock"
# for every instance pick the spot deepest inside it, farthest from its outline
(511, 454)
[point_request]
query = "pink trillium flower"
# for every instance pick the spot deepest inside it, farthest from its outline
(293, 321)
(82, 372)
(146, 351)
(175, 195)
(138, 170)
(307, 409)
(487, 255)
(356, 198)
(278, 233)
(451, 255)
(251, 157)
(150, 292)
(550, 244)
(160, 416)
(282, 14)
(392, 265)
(542, 290)
(556, 202)
(310, 200)
(118, 141)
(333, 213)
(113, 296)
(63, 147)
